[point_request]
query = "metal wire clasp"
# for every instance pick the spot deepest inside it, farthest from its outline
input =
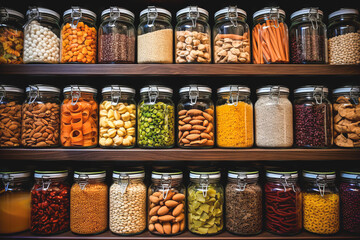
(83, 181)
(152, 14)
(232, 14)
(2, 93)
(165, 183)
(75, 94)
(204, 184)
(76, 15)
(193, 94)
(318, 95)
(321, 183)
(193, 14)
(241, 181)
(275, 93)
(114, 15)
(34, 14)
(33, 93)
(275, 15)
(115, 95)
(314, 17)
(153, 94)
(234, 90)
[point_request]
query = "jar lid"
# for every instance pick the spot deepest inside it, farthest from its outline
(81, 88)
(157, 9)
(211, 175)
(187, 10)
(311, 88)
(159, 174)
(42, 88)
(5, 11)
(121, 88)
(282, 174)
(10, 88)
(321, 175)
(227, 9)
(121, 11)
(233, 88)
(310, 10)
(15, 174)
(90, 175)
(347, 89)
(128, 174)
(269, 10)
(51, 174)
(350, 175)
(343, 11)
(245, 174)
(43, 11)
(159, 88)
(200, 88)
(269, 89)
(83, 11)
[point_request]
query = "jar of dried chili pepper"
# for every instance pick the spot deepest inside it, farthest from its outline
(50, 202)
(283, 212)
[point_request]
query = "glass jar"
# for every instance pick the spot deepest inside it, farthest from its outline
(350, 201)
(15, 202)
(205, 203)
(243, 201)
(193, 35)
(270, 36)
(273, 117)
(166, 203)
(308, 36)
(155, 36)
(116, 36)
(89, 203)
(195, 117)
(283, 203)
(11, 99)
(50, 203)
(234, 117)
(42, 36)
(321, 203)
(79, 117)
(78, 36)
(117, 117)
(156, 116)
(127, 202)
(346, 116)
(344, 37)
(313, 117)
(11, 36)
(41, 109)
(231, 36)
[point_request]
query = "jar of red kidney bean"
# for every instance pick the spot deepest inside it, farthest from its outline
(312, 117)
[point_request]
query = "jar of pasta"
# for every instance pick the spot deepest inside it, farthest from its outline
(127, 202)
(14, 201)
(231, 36)
(11, 36)
(79, 117)
(243, 202)
(89, 203)
(166, 202)
(11, 99)
(234, 117)
(270, 36)
(41, 109)
(205, 203)
(283, 209)
(321, 206)
(78, 36)
(195, 117)
(192, 36)
(117, 117)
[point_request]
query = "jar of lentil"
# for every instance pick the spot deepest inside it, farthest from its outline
(89, 203)
(243, 202)
(166, 202)
(79, 117)
(117, 117)
(14, 201)
(344, 37)
(349, 201)
(346, 101)
(195, 117)
(234, 117)
(155, 36)
(50, 203)
(128, 202)
(78, 36)
(11, 36)
(42, 36)
(116, 36)
(192, 35)
(313, 117)
(273, 117)
(11, 99)
(42, 109)
(321, 203)
(308, 36)
(270, 36)
(283, 208)
(156, 116)
(205, 203)
(231, 36)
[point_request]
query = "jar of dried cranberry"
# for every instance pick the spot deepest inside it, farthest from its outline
(313, 117)
(50, 201)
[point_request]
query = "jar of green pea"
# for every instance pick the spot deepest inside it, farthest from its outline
(156, 117)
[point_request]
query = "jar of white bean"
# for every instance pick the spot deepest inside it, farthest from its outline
(41, 36)
(128, 202)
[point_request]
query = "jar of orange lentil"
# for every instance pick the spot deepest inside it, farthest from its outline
(89, 203)
(78, 36)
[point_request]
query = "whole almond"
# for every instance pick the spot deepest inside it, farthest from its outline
(167, 227)
(163, 210)
(159, 228)
(182, 112)
(198, 127)
(205, 123)
(203, 141)
(171, 203)
(182, 225)
(153, 211)
(195, 132)
(198, 118)
(180, 217)
(179, 197)
(154, 219)
(185, 127)
(196, 122)
(209, 128)
(194, 112)
(181, 122)
(195, 142)
(208, 116)
(175, 228)
(156, 194)
(154, 199)
(186, 120)
(151, 227)
(178, 210)
(209, 111)
(193, 137)
(184, 140)
(166, 218)
(205, 135)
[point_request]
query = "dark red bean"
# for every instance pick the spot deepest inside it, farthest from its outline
(350, 207)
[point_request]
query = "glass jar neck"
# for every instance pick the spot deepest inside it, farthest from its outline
(11, 18)
(245, 180)
(234, 96)
(86, 180)
(155, 96)
(268, 16)
(318, 97)
(120, 18)
(314, 19)
(84, 17)
(5, 96)
(194, 95)
(344, 17)
(160, 17)
(34, 96)
(115, 96)
(127, 180)
(226, 18)
(272, 95)
(8, 181)
(79, 94)
(204, 181)
(188, 17)
(43, 17)
(167, 182)
(351, 181)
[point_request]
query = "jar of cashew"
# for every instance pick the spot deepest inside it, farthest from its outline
(117, 117)
(192, 36)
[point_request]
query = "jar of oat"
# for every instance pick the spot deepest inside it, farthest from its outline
(231, 36)
(192, 35)
(155, 36)
(344, 37)
(127, 202)
(273, 117)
